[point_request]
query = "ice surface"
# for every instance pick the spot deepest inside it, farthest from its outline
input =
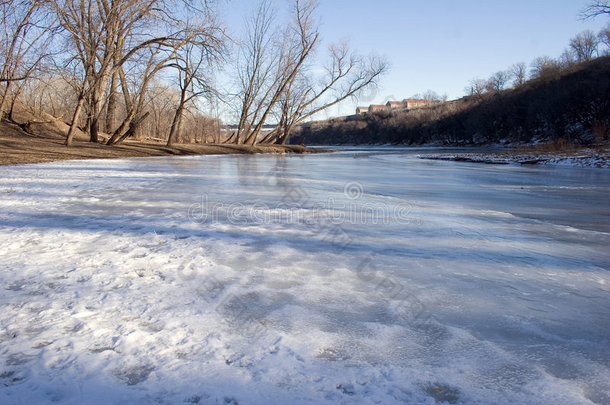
(364, 276)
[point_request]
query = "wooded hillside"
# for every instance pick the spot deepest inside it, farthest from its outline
(571, 104)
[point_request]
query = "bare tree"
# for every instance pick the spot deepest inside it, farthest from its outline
(584, 45)
(476, 87)
(298, 45)
(567, 58)
(254, 66)
(345, 76)
(161, 100)
(276, 80)
(199, 128)
(53, 90)
(519, 73)
(596, 8)
(191, 63)
(107, 34)
(263, 63)
(156, 59)
(497, 82)
(84, 21)
(27, 29)
(432, 96)
(544, 67)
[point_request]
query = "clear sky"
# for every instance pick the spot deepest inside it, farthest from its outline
(442, 44)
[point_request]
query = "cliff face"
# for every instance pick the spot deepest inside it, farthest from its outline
(572, 105)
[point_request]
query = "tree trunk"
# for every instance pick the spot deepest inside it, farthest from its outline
(240, 126)
(125, 89)
(3, 101)
(251, 139)
(11, 110)
(175, 128)
(99, 90)
(133, 127)
(94, 129)
(271, 136)
(118, 133)
(112, 104)
(282, 140)
(75, 118)
(230, 139)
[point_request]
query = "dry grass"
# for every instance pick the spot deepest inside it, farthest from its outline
(557, 146)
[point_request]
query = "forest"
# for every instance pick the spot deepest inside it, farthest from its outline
(155, 69)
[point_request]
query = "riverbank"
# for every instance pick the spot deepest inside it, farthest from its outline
(19, 147)
(587, 157)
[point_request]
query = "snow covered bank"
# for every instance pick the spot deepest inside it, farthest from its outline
(324, 279)
(584, 158)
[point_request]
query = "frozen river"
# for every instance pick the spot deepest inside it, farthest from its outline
(366, 276)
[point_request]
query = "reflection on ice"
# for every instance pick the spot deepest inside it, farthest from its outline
(358, 276)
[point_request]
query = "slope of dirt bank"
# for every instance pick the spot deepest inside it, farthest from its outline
(43, 142)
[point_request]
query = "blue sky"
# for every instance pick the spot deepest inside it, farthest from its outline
(442, 44)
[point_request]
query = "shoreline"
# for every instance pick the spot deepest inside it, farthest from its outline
(18, 149)
(585, 157)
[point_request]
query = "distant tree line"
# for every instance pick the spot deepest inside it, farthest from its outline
(573, 106)
(117, 69)
(582, 48)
